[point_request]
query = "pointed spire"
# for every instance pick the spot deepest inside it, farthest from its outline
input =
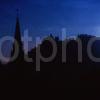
(17, 36)
(17, 30)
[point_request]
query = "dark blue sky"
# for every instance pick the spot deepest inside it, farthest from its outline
(43, 17)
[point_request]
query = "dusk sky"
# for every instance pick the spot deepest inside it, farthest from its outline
(42, 17)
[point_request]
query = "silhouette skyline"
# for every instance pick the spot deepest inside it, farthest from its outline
(54, 73)
(53, 61)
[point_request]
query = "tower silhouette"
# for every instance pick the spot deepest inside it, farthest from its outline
(17, 38)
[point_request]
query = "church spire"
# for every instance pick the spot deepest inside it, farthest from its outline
(17, 37)
(17, 30)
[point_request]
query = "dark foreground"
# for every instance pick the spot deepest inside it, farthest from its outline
(51, 75)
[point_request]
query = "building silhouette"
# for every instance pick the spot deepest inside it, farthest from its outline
(54, 70)
(16, 66)
(17, 38)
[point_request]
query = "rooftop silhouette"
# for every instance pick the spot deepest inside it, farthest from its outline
(54, 70)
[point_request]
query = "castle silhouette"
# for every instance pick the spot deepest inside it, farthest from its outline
(54, 70)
